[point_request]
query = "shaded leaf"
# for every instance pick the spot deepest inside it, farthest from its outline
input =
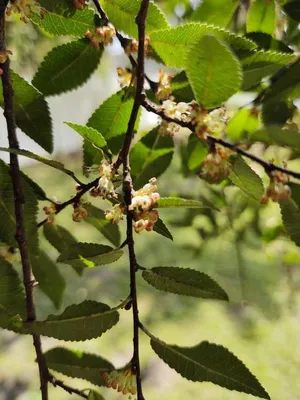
(172, 44)
(291, 219)
(184, 281)
(96, 217)
(292, 9)
(31, 112)
(246, 179)
(12, 296)
(211, 363)
(215, 12)
(160, 227)
(89, 254)
(213, 71)
(274, 134)
(84, 321)
(67, 67)
(10, 321)
(78, 364)
(122, 14)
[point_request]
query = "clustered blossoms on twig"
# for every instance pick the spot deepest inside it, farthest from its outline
(127, 77)
(105, 188)
(142, 206)
(132, 46)
(164, 88)
(124, 381)
(50, 211)
(278, 188)
(102, 35)
(216, 165)
(26, 8)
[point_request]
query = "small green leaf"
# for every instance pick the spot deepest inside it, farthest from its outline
(160, 228)
(274, 134)
(291, 219)
(90, 134)
(243, 122)
(31, 112)
(196, 152)
(10, 321)
(51, 163)
(79, 322)
(12, 296)
(215, 12)
(96, 217)
(172, 44)
(122, 14)
(73, 23)
(184, 281)
(95, 396)
(89, 254)
(49, 278)
(213, 71)
(246, 179)
(210, 363)
(67, 67)
(78, 364)
(262, 17)
(177, 202)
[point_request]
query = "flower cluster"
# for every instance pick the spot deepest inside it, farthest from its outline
(79, 213)
(142, 206)
(10, 254)
(50, 211)
(105, 188)
(102, 35)
(124, 381)
(216, 165)
(26, 8)
(278, 188)
(79, 4)
(126, 77)
(132, 46)
(164, 88)
(212, 123)
(180, 111)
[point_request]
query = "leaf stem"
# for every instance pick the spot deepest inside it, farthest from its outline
(19, 201)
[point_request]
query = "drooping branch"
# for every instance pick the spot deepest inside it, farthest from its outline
(19, 201)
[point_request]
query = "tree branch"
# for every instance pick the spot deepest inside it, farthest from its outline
(268, 166)
(56, 382)
(19, 202)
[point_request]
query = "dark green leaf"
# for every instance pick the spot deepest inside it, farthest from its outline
(267, 42)
(38, 191)
(77, 364)
(213, 71)
(67, 67)
(160, 227)
(12, 295)
(50, 280)
(96, 217)
(32, 112)
(211, 363)
(274, 134)
(184, 281)
(89, 254)
(292, 8)
(246, 179)
(291, 219)
(84, 321)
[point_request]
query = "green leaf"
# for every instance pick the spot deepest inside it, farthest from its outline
(267, 42)
(49, 278)
(90, 134)
(181, 88)
(67, 67)
(12, 296)
(31, 112)
(95, 396)
(79, 322)
(7, 211)
(274, 134)
(78, 364)
(177, 202)
(172, 44)
(89, 254)
(291, 219)
(292, 9)
(246, 179)
(10, 321)
(160, 228)
(211, 363)
(262, 17)
(184, 281)
(243, 122)
(38, 191)
(213, 71)
(62, 240)
(259, 64)
(111, 119)
(215, 12)
(71, 23)
(276, 112)
(51, 163)
(60, 7)
(196, 153)
(122, 14)
(96, 217)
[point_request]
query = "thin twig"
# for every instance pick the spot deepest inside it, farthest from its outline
(19, 201)
(268, 166)
(56, 382)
